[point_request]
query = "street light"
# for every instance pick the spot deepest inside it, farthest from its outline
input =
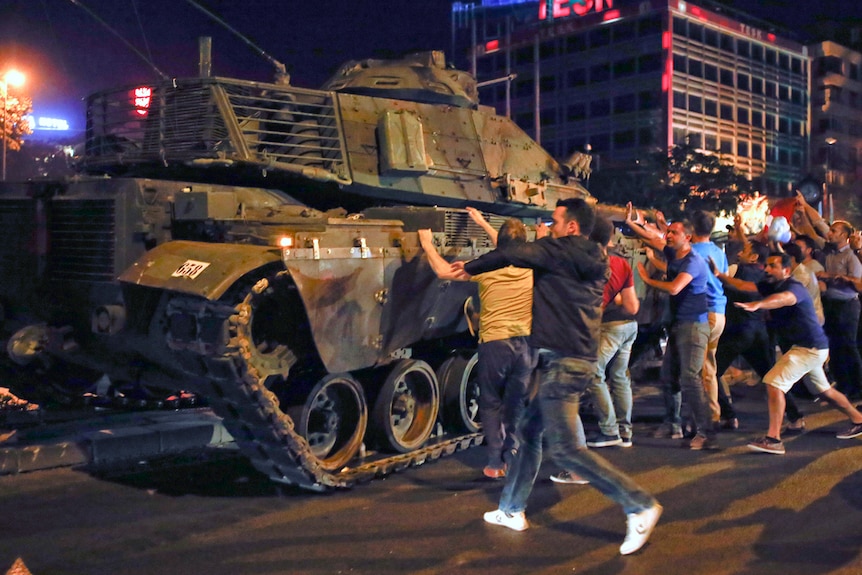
(830, 141)
(10, 78)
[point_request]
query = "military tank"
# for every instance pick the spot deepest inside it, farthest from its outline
(255, 243)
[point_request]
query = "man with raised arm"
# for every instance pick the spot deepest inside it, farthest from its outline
(793, 318)
(569, 274)
(681, 369)
(506, 361)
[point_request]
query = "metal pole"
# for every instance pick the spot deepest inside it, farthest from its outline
(5, 98)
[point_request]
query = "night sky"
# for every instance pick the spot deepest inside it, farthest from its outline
(67, 54)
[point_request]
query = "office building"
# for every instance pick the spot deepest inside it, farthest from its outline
(632, 77)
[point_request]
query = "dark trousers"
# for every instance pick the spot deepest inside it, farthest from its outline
(504, 371)
(841, 326)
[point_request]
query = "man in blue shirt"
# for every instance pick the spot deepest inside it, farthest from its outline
(687, 276)
(793, 318)
(703, 223)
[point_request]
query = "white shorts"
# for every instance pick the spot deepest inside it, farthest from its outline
(796, 363)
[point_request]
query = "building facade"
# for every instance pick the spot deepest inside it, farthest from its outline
(836, 122)
(628, 78)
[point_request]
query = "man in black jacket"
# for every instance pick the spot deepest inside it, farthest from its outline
(569, 273)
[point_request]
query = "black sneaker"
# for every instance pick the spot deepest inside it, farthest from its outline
(854, 431)
(602, 440)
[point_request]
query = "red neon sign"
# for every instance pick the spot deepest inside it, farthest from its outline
(565, 8)
(142, 97)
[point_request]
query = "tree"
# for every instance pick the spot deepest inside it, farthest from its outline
(15, 126)
(682, 180)
(690, 179)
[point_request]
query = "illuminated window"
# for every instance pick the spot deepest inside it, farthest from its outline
(710, 37)
(757, 151)
(710, 108)
(710, 142)
(756, 86)
(757, 52)
(796, 66)
(757, 118)
(710, 72)
(695, 104)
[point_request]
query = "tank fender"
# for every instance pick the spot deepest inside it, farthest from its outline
(198, 268)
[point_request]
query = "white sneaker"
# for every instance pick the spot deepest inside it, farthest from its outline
(638, 528)
(568, 477)
(515, 521)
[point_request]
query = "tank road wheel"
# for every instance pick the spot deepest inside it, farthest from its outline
(332, 420)
(460, 387)
(406, 408)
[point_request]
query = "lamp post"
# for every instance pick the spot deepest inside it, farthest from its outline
(830, 141)
(10, 78)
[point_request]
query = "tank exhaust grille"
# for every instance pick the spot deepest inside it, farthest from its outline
(462, 231)
(82, 240)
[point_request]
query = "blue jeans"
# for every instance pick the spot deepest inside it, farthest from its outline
(555, 409)
(504, 371)
(612, 399)
(681, 373)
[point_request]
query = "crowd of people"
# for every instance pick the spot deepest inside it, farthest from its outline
(563, 308)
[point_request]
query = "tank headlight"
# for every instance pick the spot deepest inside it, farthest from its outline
(285, 242)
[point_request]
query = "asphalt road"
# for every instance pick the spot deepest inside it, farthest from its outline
(726, 512)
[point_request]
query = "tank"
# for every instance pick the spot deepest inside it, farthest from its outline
(255, 243)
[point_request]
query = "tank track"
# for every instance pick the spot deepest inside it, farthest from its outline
(236, 391)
